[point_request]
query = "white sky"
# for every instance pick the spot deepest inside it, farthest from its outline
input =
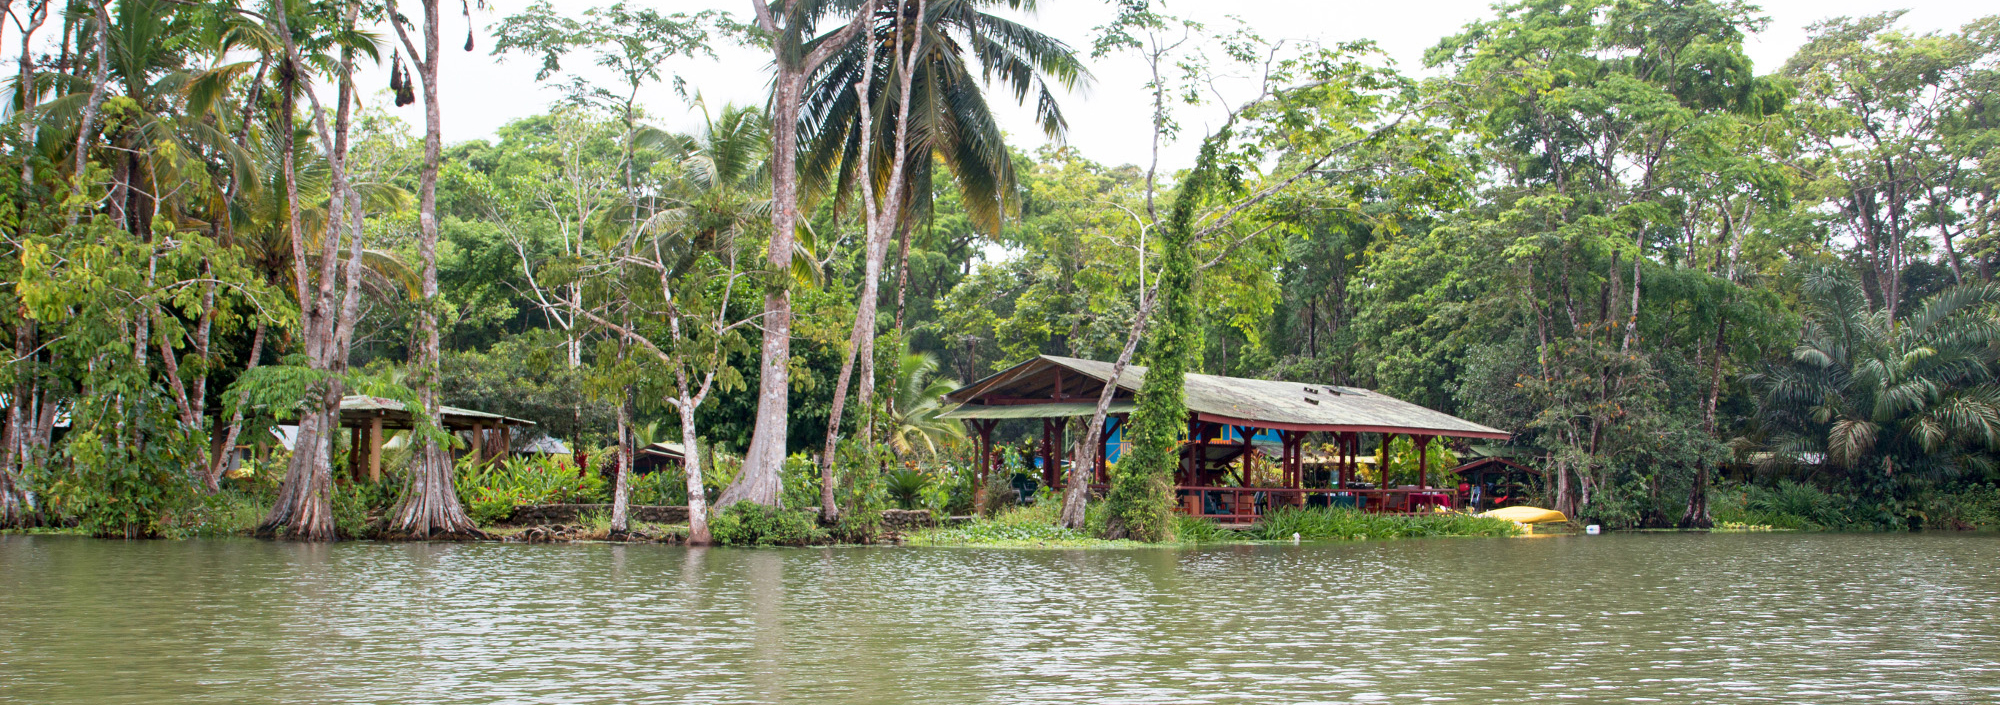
(1108, 120)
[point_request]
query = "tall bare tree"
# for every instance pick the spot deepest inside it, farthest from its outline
(430, 506)
(328, 297)
(882, 213)
(785, 24)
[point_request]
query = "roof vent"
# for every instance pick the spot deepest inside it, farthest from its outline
(1312, 400)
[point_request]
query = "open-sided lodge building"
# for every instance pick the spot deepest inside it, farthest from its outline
(1225, 416)
(368, 418)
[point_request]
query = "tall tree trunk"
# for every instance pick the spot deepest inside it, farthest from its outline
(304, 508)
(212, 479)
(903, 273)
(697, 499)
(758, 482)
(1077, 497)
(430, 505)
(14, 449)
(1696, 516)
(764, 460)
(861, 339)
(38, 12)
(621, 492)
(99, 82)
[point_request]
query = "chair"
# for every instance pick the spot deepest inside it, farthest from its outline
(1025, 487)
(1212, 503)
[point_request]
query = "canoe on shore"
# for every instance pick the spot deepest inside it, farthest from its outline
(1526, 515)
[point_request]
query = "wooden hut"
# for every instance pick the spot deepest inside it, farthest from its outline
(488, 436)
(1225, 414)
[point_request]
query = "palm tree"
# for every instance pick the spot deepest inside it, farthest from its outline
(949, 116)
(1893, 403)
(917, 397)
(718, 192)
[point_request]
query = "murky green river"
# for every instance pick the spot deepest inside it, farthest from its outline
(1620, 618)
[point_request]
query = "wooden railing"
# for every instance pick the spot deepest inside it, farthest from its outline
(1235, 505)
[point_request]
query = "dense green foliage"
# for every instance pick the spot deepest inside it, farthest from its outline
(749, 524)
(1695, 289)
(1322, 523)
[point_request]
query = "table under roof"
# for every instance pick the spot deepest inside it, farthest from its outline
(1224, 414)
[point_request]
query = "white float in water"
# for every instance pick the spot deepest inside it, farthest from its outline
(1592, 530)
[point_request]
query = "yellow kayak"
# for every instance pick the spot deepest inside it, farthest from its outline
(1526, 515)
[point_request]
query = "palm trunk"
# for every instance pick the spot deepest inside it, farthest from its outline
(883, 215)
(902, 274)
(860, 341)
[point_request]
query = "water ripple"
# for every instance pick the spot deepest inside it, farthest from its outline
(1656, 618)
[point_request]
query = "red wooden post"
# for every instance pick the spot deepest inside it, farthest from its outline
(985, 450)
(1103, 471)
(1299, 460)
(1049, 453)
(1243, 435)
(1201, 454)
(1423, 459)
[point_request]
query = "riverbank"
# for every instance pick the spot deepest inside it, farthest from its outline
(1036, 527)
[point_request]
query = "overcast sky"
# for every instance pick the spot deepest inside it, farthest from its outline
(1107, 119)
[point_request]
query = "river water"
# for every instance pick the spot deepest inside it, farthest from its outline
(1684, 618)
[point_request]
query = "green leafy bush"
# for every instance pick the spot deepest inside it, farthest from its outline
(491, 491)
(906, 487)
(1334, 523)
(748, 524)
(1970, 508)
(115, 488)
(667, 487)
(1033, 525)
(1789, 505)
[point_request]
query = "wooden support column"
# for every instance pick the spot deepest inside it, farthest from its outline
(1248, 467)
(1201, 454)
(477, 445)
(1103, 469)
(1293, 463)
(1344, 466)
(375, 449)
(1049, 453)
(1423, 444)
(1061, 450)
(354, 453)
(506, 441)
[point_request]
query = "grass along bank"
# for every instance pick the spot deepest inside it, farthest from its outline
(1035, 527)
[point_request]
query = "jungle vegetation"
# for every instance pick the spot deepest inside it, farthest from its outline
(1695, 288)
